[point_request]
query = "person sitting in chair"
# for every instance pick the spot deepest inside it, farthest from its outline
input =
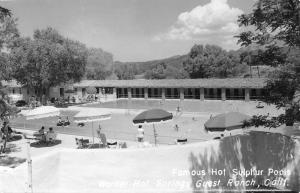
(50, 136)
(60, 122)
(42, 130)
(50, 130)
(41, 135)
(66, 122)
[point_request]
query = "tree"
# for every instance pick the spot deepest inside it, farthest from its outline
(97, 74)
(124, 71)
(158, 72)
(99, 64)
(91, 90)
(6, 113)
(8, 32)
(176, 73)
(5, 69)
(4, 12)
(273, 21)
(162, 71)
(276, 24)
(47, 60)
(212, 61)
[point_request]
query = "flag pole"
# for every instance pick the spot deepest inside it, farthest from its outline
(93, 131)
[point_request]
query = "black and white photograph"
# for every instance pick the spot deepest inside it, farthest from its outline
(149, 96)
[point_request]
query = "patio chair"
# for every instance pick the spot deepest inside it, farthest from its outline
(40, 138)
(50, 137)
(103, 140)
(122, 145)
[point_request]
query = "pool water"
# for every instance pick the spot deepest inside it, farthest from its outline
(208, 106)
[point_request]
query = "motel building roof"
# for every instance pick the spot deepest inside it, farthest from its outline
(254, 83)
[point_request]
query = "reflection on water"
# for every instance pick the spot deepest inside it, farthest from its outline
(137, 104)
(256, 160)
(170, 105)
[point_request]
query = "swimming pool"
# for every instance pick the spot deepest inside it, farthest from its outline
(186, 105)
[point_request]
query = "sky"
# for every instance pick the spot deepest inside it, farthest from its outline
(135, 30)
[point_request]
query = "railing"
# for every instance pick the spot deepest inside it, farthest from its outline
(239, 97)
(174, 96)
(212, 97)
(122, 95)
(137, 95)
(191, 96)
(155, 96)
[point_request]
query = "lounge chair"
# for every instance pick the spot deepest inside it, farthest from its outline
(82, 143)
(260, 105)
(80, 124)
(67, 123)
(181, 141)
(112, 145)
(60, 123)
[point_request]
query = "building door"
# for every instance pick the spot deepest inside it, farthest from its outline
(83, 92)
(61, 92)
(197, 93)
(228, 95)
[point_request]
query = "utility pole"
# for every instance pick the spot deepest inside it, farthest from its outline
(29, 162)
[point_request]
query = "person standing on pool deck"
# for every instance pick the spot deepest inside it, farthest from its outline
(176, 128)
(99, 128)
(140, 135)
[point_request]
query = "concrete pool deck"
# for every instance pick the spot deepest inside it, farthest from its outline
(120, 126)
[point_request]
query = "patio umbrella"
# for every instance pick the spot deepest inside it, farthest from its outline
(91, 115)
(40, 112)
(226, 121)
(37, 113)
(151, 117)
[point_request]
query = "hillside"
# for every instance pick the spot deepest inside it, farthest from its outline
(174, 61)
(261, 64)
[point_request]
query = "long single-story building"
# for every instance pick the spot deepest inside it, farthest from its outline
(183, 89)
(211, 89)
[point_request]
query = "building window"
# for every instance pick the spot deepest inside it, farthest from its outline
(109, 90)
(20, 90)
(13, 91)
